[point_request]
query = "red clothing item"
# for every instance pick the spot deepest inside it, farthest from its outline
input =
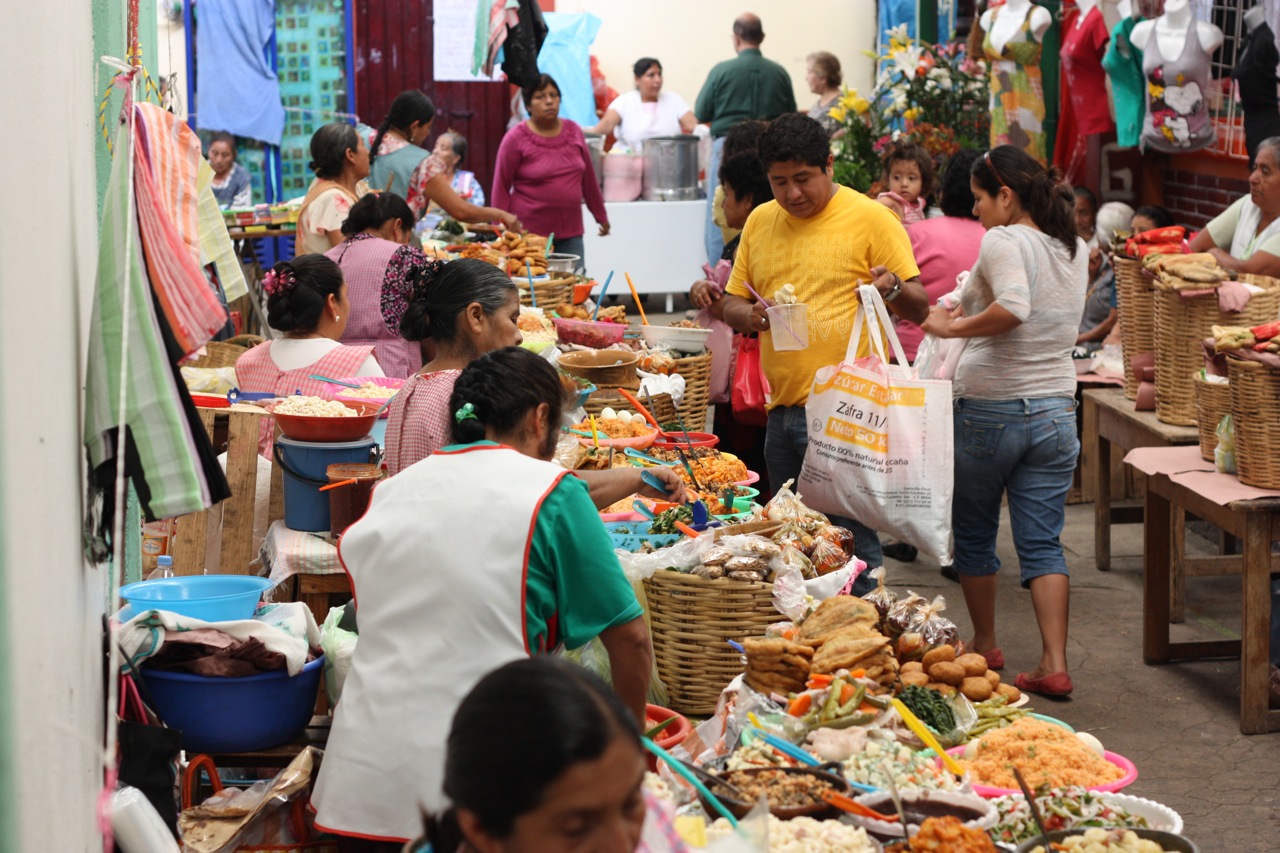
(944, 247)
(545, 180)
(1083, 76)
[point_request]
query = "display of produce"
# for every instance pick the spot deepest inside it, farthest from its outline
(1060, 808)
(1105, 841)
(611, 314)
(1046, 754)
(947, 834)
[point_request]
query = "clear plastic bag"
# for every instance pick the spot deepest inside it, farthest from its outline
(339, 647)
(881, 597)
(683, 556)
(927, 630)
(1224, 455)
(898, 619)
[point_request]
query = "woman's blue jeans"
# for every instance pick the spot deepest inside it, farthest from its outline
(1028, 448)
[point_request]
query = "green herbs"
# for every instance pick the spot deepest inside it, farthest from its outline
(451, 226)
(665, 522)
(931, 707)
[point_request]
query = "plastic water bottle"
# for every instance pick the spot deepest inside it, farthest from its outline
(164, 568)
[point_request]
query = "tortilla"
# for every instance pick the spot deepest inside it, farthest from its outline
(844, 651)
(765, 647)
(835, 614)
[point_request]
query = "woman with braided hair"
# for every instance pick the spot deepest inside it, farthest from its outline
(443, 600)
(398, 162)
(307, 300)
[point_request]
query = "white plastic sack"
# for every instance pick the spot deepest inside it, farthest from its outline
(881, 444)
(937, 357)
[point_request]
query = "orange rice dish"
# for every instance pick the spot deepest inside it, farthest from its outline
(614, 428)
(1045, 753)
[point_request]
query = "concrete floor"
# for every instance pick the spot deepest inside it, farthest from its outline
(1178, 723)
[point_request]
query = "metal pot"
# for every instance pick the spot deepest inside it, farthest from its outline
(671, 168)
(595, 147)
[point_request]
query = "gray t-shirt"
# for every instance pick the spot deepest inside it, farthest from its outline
(1033, 277)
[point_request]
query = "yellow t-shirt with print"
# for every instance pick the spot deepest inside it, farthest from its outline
(823, 256)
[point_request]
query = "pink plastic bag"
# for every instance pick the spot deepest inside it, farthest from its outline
(720, 341)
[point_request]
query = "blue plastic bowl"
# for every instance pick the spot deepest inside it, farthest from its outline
(637, 534)
(235, 714)
(584, 393)
(211, 598)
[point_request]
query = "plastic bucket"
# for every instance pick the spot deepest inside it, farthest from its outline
(306, 465)
(789, 325)
(235, 714)
(347, 503)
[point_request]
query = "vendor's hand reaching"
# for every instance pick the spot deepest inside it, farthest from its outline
(511, 222)
(703, 293)
(674, 486)
(604, 229)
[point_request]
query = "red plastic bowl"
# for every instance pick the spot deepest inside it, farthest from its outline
(670, 737)
(588, 334)
(672, 440)
(307, 428)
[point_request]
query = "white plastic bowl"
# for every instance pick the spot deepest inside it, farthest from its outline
(688, 341)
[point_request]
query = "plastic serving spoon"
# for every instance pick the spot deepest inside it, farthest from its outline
(643, 508)
(317, 377)
(640, 454)
(844, 804)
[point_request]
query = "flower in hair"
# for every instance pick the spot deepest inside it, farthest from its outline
(466, 413)
(279, 282)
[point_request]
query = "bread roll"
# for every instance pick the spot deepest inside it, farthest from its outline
(942, 654)
(947, 673)
(974, 664)
(976, 688)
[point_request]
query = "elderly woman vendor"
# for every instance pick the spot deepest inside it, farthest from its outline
(1246, 237)
(484, 553)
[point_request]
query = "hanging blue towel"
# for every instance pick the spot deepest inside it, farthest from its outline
(566, 56)
(236, 90)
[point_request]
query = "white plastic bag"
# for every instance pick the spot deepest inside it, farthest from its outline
(339, 648)
(881, 443)
(937, 357)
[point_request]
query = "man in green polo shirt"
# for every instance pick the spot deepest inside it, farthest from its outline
(748, 86)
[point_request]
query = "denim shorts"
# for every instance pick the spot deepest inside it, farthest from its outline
(1025, 447)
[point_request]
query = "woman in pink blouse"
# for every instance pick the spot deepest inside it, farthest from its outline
(544, 171)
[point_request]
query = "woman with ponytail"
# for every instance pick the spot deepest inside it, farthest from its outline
(307, 301)
(1015, 423)
(444, 597)
(399, 163)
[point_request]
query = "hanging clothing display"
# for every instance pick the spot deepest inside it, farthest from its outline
(167, 454)
(1084, 44)
(524, 40)
(1123, 64)
(215, 244)
(239, 93)
(1177, 118)
(1255, 75)
(1017, 93)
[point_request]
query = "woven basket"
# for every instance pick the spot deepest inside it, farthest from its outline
(1137, 319)
(1255, 389)
(660, 405)
(1181, 325)
(692, 620)
(1212, 402)
(696, 370)
(551, 294)
(218, 354)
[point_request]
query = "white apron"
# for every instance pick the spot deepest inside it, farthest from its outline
(438, 568)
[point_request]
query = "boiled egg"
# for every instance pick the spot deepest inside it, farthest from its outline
(608, 413)
(1092, 742)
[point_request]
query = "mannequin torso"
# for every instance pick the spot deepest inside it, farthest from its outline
(1253, 18)
(1171, 30)
(1010, 20)
(1085, 7)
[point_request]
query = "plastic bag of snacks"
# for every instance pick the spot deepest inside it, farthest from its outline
(881, 597)
(742, 558)
(898, 620)
(926, 630)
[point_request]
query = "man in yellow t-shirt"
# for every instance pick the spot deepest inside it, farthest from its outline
(824, 240)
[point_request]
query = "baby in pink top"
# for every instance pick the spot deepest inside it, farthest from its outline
(908, 172)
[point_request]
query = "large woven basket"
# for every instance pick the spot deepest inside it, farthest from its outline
(692, 620)
(696, 370)
(219, 354)
(659, 405)
(1181, 325)
(1137, 318)
(1212, 402)
(1255, 391)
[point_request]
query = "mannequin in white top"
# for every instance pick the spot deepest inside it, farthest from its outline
(1009, 22)
(1254, 17)
(1170, 30)
(1085, 7)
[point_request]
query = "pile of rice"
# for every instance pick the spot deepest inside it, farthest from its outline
(313, 407)
(1045, 753)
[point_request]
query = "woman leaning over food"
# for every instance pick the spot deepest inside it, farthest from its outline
(647, 112)
(380, 268)
(307, 301)
(341, 163)
(1015, 424)
(484, 553)
(399, 162)
(470, 309)
(544, 171)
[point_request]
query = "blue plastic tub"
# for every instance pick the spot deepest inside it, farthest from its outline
(304, 463)
(212, 598)
(235, 714)
(632, 535)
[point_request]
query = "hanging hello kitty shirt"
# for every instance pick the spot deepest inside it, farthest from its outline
(1177, 118)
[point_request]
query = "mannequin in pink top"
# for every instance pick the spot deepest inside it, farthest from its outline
(380, 266)
(544, 172)
(307, 300)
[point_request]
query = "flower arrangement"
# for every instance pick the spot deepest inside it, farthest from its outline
(929, 94)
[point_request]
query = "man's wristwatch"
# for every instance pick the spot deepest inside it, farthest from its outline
(895, 291)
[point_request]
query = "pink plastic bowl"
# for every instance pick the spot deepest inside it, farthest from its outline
(1129, 777)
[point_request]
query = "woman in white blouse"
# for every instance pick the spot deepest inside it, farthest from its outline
(646, 112)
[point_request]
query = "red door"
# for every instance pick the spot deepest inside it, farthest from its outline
(393, 44)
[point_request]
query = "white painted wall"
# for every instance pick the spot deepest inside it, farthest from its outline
(52, 604)
(690, 36)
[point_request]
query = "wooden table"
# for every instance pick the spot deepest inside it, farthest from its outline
(1110, 419)
(1257, 524)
